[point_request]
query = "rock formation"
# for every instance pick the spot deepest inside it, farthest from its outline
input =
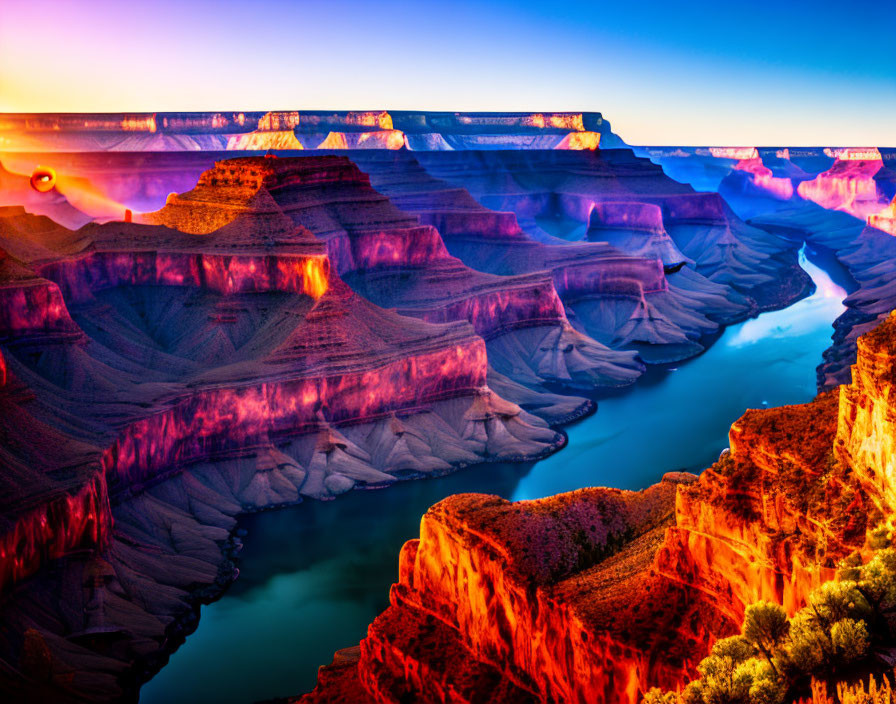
(634, 228)
(623, 297)
(849, 184)
(385, 255)
(206, 346)
(704, 229)
(885, 219)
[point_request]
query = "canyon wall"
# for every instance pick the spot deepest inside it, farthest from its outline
(866, 425)
(400, 261)
(158, 401)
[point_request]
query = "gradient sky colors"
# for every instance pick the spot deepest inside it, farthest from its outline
(763, 72)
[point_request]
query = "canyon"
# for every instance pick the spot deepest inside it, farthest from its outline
(209, 315)
(600, 594)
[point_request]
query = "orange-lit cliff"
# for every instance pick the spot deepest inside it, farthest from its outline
(885, 219)
(598, 595)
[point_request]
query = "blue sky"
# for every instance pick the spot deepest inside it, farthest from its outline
(757, 72)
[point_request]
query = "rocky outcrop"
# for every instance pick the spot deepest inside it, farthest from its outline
(533, 593)
(600, 594)
(53, 490)
(849, 184)
(185, 348)
(762, 178)
(772, 519)
(31, 306)
(385, 255)
(636, 229)
(264, 140)
(378, 139)
(865, 424)
(885, 219)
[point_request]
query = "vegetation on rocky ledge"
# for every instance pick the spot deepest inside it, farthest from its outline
(825, 653)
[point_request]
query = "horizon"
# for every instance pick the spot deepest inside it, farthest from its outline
(804, 74)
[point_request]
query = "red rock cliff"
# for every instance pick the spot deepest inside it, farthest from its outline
(599, 595)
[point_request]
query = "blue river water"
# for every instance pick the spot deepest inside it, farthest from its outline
(314, 575)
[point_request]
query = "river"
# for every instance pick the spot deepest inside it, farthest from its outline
(314, 575)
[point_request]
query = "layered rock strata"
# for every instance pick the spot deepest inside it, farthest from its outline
(376, 129)
(753, 262)
(634, 295)
(388, 257)
(849, 185)
(165, 349)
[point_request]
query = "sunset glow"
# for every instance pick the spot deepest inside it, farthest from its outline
(764, 73)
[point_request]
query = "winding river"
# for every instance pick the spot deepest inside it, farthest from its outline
(314, 575)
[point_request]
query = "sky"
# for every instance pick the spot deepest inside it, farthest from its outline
(751, 72)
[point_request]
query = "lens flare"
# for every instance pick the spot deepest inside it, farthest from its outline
(43, 179)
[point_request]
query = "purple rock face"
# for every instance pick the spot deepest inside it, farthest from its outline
(603, 295)
(636, 228)
(699, 208)
(768, 192)
(641, 217)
